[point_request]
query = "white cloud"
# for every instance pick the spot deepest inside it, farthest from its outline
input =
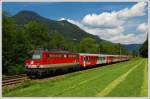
(136, 10)
(143, 27)
(129, 38)
(115, 18)
(102, 20)
(104, 33)
(122, 38)
(110, 26)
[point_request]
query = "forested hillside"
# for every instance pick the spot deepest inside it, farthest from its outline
(26, 31)
(63, 27)
(132, 47)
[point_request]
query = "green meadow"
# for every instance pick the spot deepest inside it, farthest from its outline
(124, 79)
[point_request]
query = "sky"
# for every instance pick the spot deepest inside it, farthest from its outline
(118, 22)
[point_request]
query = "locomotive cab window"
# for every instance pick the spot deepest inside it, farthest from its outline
(37, 54)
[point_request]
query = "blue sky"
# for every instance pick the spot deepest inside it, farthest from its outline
(68, 10)
(113, 21)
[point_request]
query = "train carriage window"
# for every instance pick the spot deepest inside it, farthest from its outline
(103, 58)
(100, 58)
(89, 58)
(76, 56)
(95, 58)
(84, 59)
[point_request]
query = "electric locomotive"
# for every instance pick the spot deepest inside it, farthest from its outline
(45, 62)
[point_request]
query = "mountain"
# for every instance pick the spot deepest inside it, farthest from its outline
(67, 29)
(132, 47)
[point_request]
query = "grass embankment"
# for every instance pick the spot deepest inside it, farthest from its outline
(121, 79)
(133, 84)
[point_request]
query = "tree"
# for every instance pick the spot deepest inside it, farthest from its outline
(37, 34)
(144, 49)
(134, 53)
(88, 45)
(57, 41)
(7, 34)
(14, 46)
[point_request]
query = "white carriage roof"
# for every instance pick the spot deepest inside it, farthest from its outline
(87, 54)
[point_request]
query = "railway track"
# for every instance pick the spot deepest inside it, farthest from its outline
(11, 80)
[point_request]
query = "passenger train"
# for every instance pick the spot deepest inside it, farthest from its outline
(46, 62)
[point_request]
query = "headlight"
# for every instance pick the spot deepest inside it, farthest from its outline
(32, 62)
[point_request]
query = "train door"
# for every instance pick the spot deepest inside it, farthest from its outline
(84, 61)
(108, 59)
(101, 60)
(105, 59)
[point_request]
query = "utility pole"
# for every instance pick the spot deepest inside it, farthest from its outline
(138, 53)
(120, 51)
(99, 49)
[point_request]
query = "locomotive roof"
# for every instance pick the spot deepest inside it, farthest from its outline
(54, 51)
(62, 52)
(87, 54)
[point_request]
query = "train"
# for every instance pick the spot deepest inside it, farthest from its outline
(45, 62)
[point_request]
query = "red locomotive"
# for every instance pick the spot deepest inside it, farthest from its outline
(45, 62)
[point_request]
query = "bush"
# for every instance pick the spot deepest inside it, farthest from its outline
(17, 69)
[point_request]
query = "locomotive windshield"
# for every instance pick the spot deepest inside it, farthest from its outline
(37, 54)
